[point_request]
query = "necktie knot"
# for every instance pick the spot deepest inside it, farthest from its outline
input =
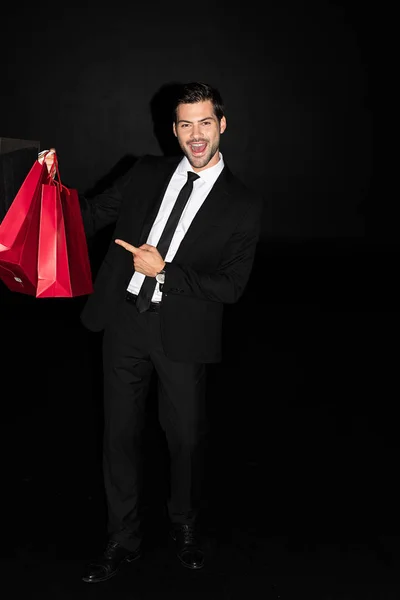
(192, 176)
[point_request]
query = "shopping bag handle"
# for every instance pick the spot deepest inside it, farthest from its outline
(55, 171)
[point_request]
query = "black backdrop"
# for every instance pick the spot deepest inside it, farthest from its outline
(311, 349)
(297, 79)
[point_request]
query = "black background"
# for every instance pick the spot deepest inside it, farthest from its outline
(304, 405)
(297, 79)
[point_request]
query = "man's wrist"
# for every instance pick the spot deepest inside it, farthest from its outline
(162, 268)
(160, 277)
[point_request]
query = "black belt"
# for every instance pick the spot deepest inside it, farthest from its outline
(154, 306)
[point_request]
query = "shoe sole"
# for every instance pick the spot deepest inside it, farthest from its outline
(125, 560)
(188, 566)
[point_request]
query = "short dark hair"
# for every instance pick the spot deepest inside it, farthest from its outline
(197, 91)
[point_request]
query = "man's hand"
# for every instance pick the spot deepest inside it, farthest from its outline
(147, 259)
(50, 157)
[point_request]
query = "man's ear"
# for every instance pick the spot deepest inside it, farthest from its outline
(174, 129)
(222, 125)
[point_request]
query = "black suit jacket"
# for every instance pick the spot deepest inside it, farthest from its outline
(211, 267)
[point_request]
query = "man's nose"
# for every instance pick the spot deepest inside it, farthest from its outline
(196, 130)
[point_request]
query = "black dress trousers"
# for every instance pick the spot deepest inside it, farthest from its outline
(132, 350)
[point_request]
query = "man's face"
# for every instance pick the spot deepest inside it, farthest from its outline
(198, 132)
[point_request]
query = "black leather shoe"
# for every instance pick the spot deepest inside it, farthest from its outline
(108, 564)
(187, 547)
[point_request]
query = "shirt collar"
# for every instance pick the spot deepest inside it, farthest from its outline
(208, 175)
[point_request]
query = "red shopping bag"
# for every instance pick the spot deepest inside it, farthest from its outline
(19, 231)
(63, 265)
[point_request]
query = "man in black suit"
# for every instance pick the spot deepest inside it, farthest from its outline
(160, 303)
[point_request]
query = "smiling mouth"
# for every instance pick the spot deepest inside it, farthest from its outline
(198, 147)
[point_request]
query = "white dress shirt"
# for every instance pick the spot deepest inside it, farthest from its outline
(201, 188)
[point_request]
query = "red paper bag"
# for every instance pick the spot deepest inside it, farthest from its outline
(19, 231)
(63, 261)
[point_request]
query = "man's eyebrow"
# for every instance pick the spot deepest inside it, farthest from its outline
(199, 121)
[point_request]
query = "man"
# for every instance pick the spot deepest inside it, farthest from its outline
(160, 303)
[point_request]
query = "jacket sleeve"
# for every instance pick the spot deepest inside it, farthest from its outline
(227, 283)
(103, 209)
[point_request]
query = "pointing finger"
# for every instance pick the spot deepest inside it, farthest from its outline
(127, 246)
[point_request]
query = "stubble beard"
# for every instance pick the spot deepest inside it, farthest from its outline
(201, 162)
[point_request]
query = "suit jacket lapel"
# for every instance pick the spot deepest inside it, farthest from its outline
(210, 212)
(154, 205)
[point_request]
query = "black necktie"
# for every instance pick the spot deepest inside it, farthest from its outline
(149, 284)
